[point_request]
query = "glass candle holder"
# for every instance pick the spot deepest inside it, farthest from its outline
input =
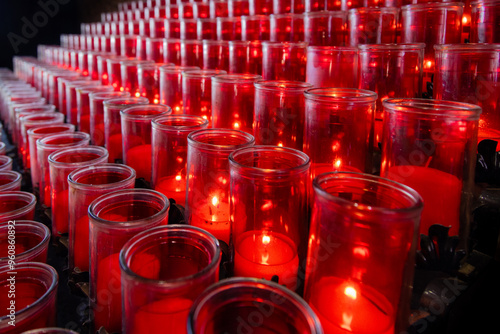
(20, 113)
(83, 104)
(287, 27)
(172, 28)
(235, 303)
(85, 185)
(233, 101)
(182, 261)
(30, 238)
(237, 8)
(468, 73)
(207, 197)
(431, 146)
(96, 111)
(171, 86)
(390, 70)
(483, 27)
(148, 78)
(325, 28)
(136, 133)
(191, 52)
(48, 145)
(260, 7)
(279, 113)
(129, 75)
(156, 27)
(215, 55)
(39, 132)
(284, 61)
(10, 180)
(112, 124)
(169, 144)
(201, 10)
(154, 49)
(270, 241)
(35, 297)
(245, 57)
(114, 219)
(197, 92)
(255, 27)
(61, 164)
(228, 28)
(331, 66)
(71, 102)
(218, 8)
(172, 51)
(288, 6)
(188, 29)
(369, 275)
(372, 25)
(128, 45)
(338, 133)
(17, 205)
(113, 65)
(206, 29)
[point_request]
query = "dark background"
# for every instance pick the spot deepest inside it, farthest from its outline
(65, 20)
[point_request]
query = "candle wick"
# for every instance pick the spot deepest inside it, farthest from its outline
(210, 210)
(428, 162)
(375, 304)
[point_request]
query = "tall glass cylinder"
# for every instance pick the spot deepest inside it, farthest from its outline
(485, 15)
(284, 61)
(255, 28)
(215, 55)
(287, 27)
(372, 25)
(245, 57)
(171, 86)
(83, 105)
(325, 28)
(148, 80)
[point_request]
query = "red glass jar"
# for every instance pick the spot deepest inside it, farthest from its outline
(136, 134)
(215, 55)
(114, 72)
(169, 144)
(228, 28)
(431, 146)
(485, 15)
(288, 6)
(287, 27)
(271, 240)
(255, 27)
(325, 28)
(338, 133)
(163, 271)
(171, 86)
(188, 29)
(361, 252)
(191, 52)
(233, 101)
(157, 27)
(112, 124)
(85, 185)
(237, 8)
(17, 205)
(71, 99)
(372, 25)
(201, 10)
(61, 93)
(83, 104)
(129, 75)
(96, 111)
(172, 51)
(128, 45)
(35, 298)
(20, 113)
(172, 28)
(331, 66)
(154, 49)
(218, 8)
(10, 180)
(148, 77)
(61, 163)
(30, 238)
(207, 198)
(260, 7)
(284, 61)
(114, 219)
(185, 10)
(197, 92)
(245, 57)
(206, 29)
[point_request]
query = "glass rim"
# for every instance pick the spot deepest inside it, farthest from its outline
(427, 108)
(161, 231)
(156, 123)
(42, 142)
(349, 95)
(324, 48)
(373, 9)
(177, 68)
(483, 2)
(92, 89)
(5, 160)
(245, 43)
(402, 189)
(280, 15)
(431, 5)
(192, 141)
(214, 42)
(233, 78)
(285, 44)
(476, 47)
(101, 95)
(31, 202)
(202, 73)
(102, 167)
(47, 107)
(16, 178)
(283, 85)
(321, 13)
(44, 231)
(392, 47)
(125, 101)
(127, 113)
(31, 118)
(135, 62)
(52, 158)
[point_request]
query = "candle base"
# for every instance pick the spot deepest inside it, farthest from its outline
(169, 314)
(219, 229)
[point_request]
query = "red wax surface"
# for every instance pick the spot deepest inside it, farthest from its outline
(440, 191)
(24, 242)
(173, 187)
(114, 147)
(81, 244)
(139, 158)
(84, 124)
(60, 207)
(169, 314)
(265, 254)
(343, 306)
(213, 217)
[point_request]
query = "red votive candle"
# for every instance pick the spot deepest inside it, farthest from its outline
(191, 52)
(197, 92)
(331, 66)
(114, 219)
(233, 101)
(206, 29)
(61, 163)
(237, 8)
(245, 57)
(22, 111)
(129, 78)
(136, 134)
(215, 55)
(201, 10)
(390, 70)
(207, 196)
(96, 112)
(372, 25)
(270, 241)
(260, 7)
(484, 18)
(157, 28)
(172, 51)
(114, 72)
(439, 162)
(71, 102)
(228, 28)
(17, 205)
(284, 61)
(255, 27)
(279, 113)
(366, 285)
(171, 86)
(288, 6)
(169, 144)
(164, 270)
(31, 241)
(112, 123)
(48, 145)
(154, 49)
(287, 27)
(10, 180)
(148, 77)
(325, 28)
(85, 185)
(218, 8)
(172, 28)
(83, 104)
(338, 133)
(185, 10)
(128, 46)
(35, 297)
(232, 304)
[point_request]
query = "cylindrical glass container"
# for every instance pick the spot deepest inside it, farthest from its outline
(83, 105)
(215, 55)
(17, 205)
(29, 238)
(251, 305)
(114, 219)
(255, 27)
(325, 28)
(338, 134)
(361, 253)
(431, 146)
(245, 57)
(228, 28)
(372, 25)
(61, 163)
(10, 180)
(171, 86)
(268, 210)
(188, 29)
(71, 103)
(154, 49)
(279, 113)
(169, 143)
(148, 79)
(207, 196)
(260, 7)
(114, 72)
(237, 8)
(284, 61)
(287, 27)
(206, 28)
(485, 15)
(218, 8)
(85, 185)
(331, 66)
(233, 101)
(171, 51)
(191, 52)
(128, 70)
(163, 271)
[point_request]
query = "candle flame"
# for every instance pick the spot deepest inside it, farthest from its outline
(280, 144)
(215, 201)
(178, 177)
(350, 292)
(266, 239)
(464, 20)
(236, 125)
(337, 163)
